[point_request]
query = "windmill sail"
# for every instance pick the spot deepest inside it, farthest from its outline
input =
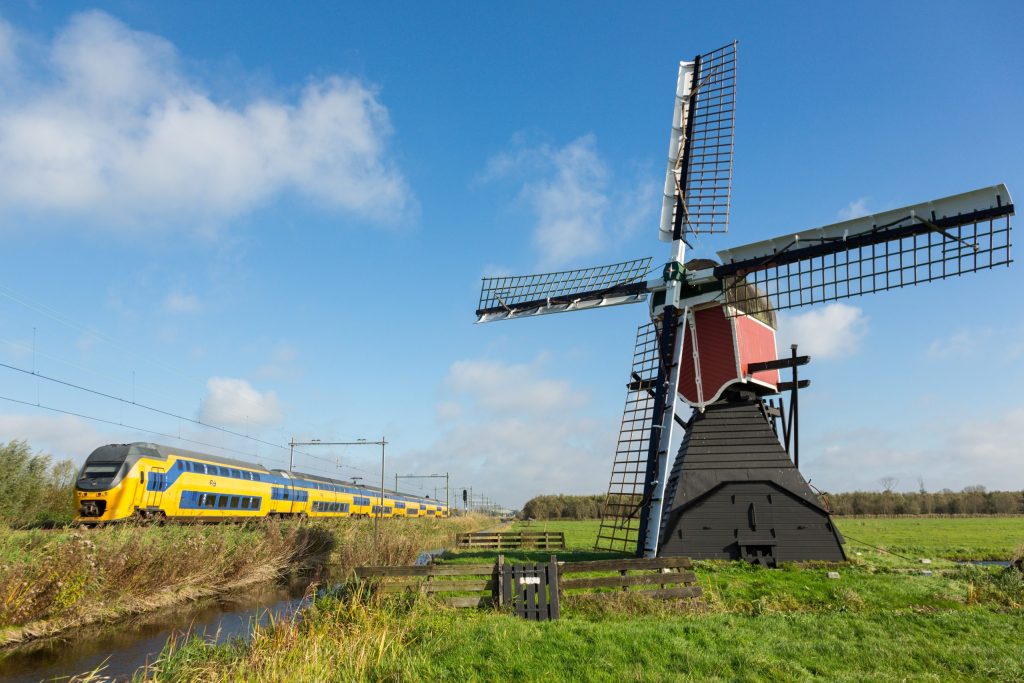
(934, 240)
(621, 516)
(699, 176)
(517, 296)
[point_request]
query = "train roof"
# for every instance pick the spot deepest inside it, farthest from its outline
(147, 448)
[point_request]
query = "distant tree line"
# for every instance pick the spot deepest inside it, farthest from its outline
(563, 507)
(34, 489)
(972, 500)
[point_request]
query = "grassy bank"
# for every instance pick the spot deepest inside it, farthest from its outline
(51, 581)
(343, 642)
(883, 619)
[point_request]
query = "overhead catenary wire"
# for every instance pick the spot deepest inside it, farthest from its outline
(255, 456)
(54, 314)
(129, 426)
(144, 406)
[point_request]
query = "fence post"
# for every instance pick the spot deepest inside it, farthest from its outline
(499, 575)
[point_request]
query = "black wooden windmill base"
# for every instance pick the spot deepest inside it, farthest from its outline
(734, 493)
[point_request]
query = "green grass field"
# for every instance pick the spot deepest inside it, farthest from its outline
(882, 620)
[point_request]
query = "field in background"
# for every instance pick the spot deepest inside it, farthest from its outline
(951, 538)
(883, 619)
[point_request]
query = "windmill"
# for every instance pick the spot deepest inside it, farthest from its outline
(735, 490)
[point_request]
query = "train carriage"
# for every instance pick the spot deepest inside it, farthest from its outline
(151, 481)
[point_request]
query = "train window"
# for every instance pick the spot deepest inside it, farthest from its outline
(222, 501)
(180, 465)
(256, 476)
(234, 502)
(202, 500)
(256, 502)
(245, 502)
(236, 474)
(211, 500)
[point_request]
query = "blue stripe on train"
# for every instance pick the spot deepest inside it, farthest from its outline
(201, 500)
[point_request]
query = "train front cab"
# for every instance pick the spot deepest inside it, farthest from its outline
(107, 487)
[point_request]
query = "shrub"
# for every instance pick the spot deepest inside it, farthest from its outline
(33, 489)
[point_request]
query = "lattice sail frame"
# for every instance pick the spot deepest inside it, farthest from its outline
(913, 245)
(620, 517)
(522, 295)
(698, 181)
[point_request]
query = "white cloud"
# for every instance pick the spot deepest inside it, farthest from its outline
(281, 364)
(832, 331)
(116, 130)
(951, 454)
(855, 209)
(182, 302)
(567, 189)
(62, 436)
(515, 432)
(961, 343)
(504, 388)
(234, 402)
(448, 410)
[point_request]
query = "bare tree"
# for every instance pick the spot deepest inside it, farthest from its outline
(888, 483)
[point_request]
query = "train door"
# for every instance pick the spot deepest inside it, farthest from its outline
(155, 487)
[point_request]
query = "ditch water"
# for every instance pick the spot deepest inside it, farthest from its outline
(124, 647)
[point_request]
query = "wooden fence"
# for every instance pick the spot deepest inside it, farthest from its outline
(457, 585)
(481, 585)
(661, 577)
(511, 540)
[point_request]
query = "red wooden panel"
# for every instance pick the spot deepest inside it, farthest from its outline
(718, 363)
(756, 343)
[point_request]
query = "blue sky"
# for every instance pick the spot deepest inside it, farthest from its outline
(276, 219)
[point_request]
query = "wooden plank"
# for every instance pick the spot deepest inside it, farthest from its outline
(426, 570)
(542, 593)
(634, 580)
(625, 563)
(688, 592)
(530, 597)
(499, 574)
(469, 601)
(441, 586)
(506, 585)
(552, 572)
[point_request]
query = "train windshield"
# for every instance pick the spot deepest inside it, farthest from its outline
(100, 470)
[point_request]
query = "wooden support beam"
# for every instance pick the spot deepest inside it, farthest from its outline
(777, 364)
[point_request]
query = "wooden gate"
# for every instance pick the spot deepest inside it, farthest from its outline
(530, 589)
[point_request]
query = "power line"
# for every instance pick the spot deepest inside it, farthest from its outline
(144, 406)
(164, 413)
(67, 320)
(128, 426)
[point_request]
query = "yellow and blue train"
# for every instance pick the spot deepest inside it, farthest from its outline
(150, 481)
